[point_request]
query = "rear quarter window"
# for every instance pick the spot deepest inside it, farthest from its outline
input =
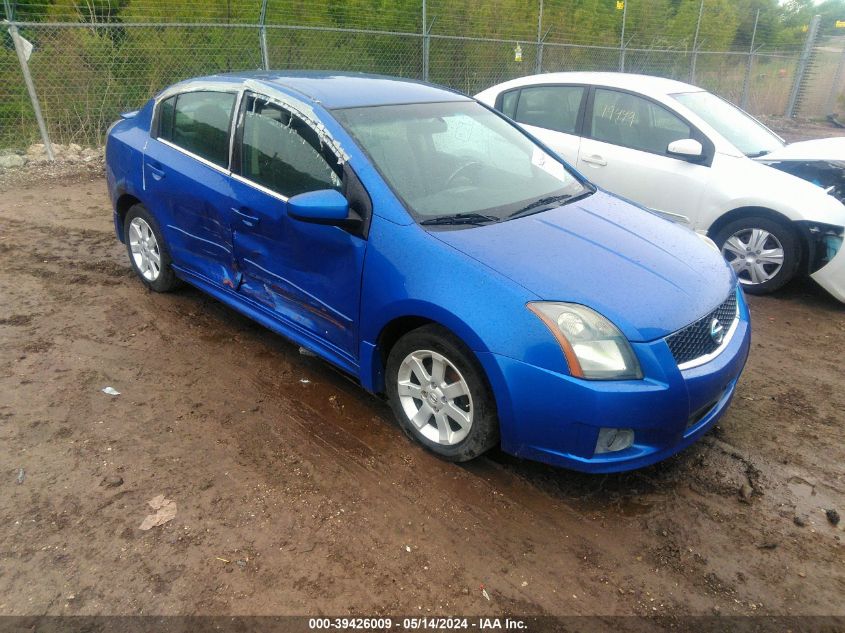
(167, 109)
(509, 100)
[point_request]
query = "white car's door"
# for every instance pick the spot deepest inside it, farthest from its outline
(565, 145)
(624, 150)
(551, 113)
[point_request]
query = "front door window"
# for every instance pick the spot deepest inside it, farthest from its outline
(282, 153)
(624, 119)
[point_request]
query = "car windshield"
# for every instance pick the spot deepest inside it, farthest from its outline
(459, 163)
(746, 133)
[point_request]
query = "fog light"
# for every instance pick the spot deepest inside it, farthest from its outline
(612, 440)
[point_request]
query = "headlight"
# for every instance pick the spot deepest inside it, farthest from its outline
(594, 348)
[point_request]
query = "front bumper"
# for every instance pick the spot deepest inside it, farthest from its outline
(555, 418)
(831, 276)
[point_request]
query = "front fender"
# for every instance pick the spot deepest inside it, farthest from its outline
(370, 354)
(740, 182)
(408, 273)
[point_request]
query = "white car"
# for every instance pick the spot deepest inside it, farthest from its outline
(771, 208)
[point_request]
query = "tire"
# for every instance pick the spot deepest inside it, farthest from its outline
(740, 244)
(459, 442)
(152, 245)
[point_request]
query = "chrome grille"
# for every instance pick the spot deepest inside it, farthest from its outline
(694, 341)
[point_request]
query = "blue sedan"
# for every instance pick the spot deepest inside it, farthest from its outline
(445, 258)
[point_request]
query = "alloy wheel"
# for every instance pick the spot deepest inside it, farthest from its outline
(145, 249)
(435, 397)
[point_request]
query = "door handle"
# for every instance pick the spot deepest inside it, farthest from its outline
(595, 159)
(246, 218)
(156, 170)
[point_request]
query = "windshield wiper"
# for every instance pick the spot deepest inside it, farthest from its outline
(535, 207)
(762, 152)
(460, 218)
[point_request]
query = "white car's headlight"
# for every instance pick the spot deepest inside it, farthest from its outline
(594, 348)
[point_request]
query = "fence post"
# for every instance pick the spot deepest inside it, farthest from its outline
(262, 36)
(694, 59)
(538, 63)
(30, 87)
(746, 83)
(837, 83)
(426, 41)
(803, 62)
(622, 38)
(538, 60)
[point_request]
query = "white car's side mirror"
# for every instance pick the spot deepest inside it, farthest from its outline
(686, 148)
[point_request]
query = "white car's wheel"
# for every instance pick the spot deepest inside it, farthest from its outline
(764, 253)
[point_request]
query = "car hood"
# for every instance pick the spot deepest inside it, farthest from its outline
(827, 149)
(649, 276)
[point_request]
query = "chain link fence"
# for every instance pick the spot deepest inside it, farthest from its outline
(824, 90)
(86, 69)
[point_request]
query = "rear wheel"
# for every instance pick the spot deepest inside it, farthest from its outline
(148, 253)
(439, 395)
(763, 252)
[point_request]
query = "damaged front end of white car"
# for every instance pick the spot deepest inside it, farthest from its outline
(821, 162)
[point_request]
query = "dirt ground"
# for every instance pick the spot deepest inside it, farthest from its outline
(296, 493)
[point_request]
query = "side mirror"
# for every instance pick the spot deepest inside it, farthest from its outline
(686, 149)
(325, 206)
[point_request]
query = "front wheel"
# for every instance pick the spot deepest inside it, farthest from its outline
(439, 395)
(763, 252)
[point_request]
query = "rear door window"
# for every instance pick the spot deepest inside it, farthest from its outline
(200, 123)
(624, 119)
(550, 107)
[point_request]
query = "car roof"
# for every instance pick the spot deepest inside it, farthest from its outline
(645, 84)
(346, 89)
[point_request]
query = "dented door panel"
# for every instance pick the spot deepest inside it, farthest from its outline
(191, 200)
(308, 274)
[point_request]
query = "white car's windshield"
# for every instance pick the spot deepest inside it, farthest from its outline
(458, 160)
(744, 131)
